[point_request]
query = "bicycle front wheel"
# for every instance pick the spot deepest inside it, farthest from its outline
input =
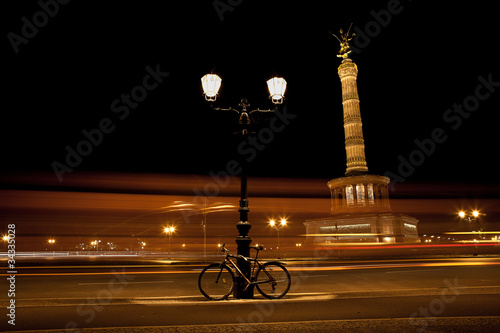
(273, 280)
(216, 282)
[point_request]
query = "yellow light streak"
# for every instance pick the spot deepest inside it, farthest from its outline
(341, 235)
(471, 232)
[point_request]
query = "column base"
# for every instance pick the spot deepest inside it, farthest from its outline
(243, 243)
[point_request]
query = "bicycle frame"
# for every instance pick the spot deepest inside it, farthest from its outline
(235, 266)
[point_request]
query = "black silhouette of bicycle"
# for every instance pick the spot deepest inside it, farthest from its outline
(217, 281)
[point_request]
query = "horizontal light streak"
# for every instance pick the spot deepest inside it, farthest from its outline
(472, 232)
(353, 245)
(290, 268)
(363, 246)
(432, 264)
(104, 273)
(128, 282)
(340, 235)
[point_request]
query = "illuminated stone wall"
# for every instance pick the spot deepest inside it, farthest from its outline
(363, 193)
(363, 228)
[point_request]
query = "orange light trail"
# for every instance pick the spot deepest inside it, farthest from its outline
(341, 268)
(292, 269)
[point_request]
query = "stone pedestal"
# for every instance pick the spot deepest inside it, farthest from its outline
(361, 212)
(363, 228)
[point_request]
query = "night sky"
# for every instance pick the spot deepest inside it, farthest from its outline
(418, 62)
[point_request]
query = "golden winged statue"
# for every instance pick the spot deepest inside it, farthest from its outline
(344, 42)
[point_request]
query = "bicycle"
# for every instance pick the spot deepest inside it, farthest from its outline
(217, 281)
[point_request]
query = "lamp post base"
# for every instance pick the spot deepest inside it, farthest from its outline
(243, 242)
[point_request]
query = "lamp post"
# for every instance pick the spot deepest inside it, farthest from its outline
(95, 243)
(169, 231)
(203, 209)
(277, 227)
(470, 218)
(211, 84)
(51, 242)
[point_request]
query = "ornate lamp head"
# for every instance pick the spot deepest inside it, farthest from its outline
(277, 87)
(211, 84)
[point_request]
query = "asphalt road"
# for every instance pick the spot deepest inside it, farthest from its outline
(106, 292)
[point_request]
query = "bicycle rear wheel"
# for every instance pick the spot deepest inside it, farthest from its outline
(216, 282)
(273, 280)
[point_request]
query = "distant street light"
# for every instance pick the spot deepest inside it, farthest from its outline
(202, 209)
(95, 244)
(471, 218)
(51, 241)
(169, 230)
(277, 227)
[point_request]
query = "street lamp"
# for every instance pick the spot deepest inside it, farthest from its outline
(95, 244)
(211, 84)
(470, 218)
(169, 230)
(51, 241)
(277, 227)
(203, 209)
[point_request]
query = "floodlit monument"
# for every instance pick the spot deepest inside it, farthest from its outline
(360, 209)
